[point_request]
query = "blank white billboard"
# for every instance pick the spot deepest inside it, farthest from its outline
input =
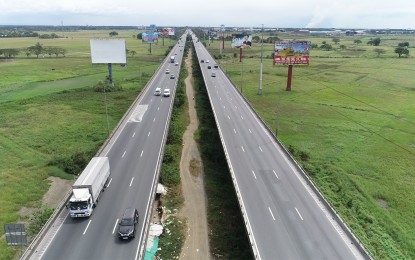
(108, 51)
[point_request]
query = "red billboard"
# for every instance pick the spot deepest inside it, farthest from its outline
(292, 52)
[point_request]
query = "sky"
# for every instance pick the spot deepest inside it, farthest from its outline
(361, 14)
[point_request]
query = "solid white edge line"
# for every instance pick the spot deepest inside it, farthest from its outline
(116, 222)
(109, 183)
(272, 215)
(89, 222)
(253, 173)
(131, 183)
(298, 213)
(123, 154)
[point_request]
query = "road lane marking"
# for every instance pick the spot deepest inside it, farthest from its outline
(299, 214)
(243, 149)
(220, 99)
(141, 155)
(253, 173)
(109, 183)
(234, 130)
(131, 183)
(229, 117)
(116, 222)
(224, 107)
(87, 227)
(158, 108)
(242, 117)
(272, 215)
(154, 119)
(275, 174)
(260, 148)
(148, 134)
(250, 130)
(123, 154)
(134, 134)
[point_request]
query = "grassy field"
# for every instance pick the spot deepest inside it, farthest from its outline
(50, 112)
(350, 122)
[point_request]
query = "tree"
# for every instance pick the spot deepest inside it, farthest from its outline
(374, 42)
(357, 41)
(336, 40)
(8, 53)
(326, 47)
(140, 36)
(342, 46)
(37, 49)
(402, 51)
(113, 33)
(379, 51)
(403, 44)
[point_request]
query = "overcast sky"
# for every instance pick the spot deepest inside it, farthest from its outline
(289, 13)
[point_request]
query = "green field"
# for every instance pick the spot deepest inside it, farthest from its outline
(50, 113)
(350, 122)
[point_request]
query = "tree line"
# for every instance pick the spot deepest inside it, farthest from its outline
(37, 50)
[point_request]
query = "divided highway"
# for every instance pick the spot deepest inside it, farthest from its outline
(135, 153)
(284, 217)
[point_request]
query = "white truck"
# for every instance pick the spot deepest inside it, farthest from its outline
(172, 58)
(88, 187)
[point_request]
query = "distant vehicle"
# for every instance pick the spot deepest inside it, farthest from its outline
(213, 74)
(166, 92)
(172, 58)
(202, 61)
(157, 92)
(126, 228)
(216, 66)
(88, 187)
(177, 64)
(209, 67)
(172, 76)
(207, 61)
(167, 71)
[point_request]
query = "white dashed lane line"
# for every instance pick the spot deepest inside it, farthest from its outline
(89, 222)
(123, 154)
(131, 182)
(272, 215)
(115, 226)
(299, 214)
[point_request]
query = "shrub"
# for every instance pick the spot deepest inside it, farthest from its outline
(99, 87)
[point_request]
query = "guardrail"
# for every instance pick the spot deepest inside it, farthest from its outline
(39, 237)
(357, 243)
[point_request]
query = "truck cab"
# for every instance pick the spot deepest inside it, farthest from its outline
(81, 204)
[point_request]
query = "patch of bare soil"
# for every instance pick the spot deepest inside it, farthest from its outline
(196, 245)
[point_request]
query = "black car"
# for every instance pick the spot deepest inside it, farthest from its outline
(126, 228)
(209, 67)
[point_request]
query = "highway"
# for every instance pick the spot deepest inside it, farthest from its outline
(285, 219)
(135, 154)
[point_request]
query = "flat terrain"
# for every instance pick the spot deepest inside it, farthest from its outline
(349, 120)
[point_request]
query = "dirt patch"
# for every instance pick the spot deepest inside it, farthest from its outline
(196, 245)
(382, 203)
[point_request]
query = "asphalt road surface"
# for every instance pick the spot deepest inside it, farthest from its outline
(286, 218)
(134, 155)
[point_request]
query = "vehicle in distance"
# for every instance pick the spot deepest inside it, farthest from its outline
(207, 61)
(126, 227)
(157, 92)
(209, 67)
(213, 74)
(216, 66)
(167, 71)
(172, 58)
(177, 63)
(166, 92)
(202, 61)
(88, 187)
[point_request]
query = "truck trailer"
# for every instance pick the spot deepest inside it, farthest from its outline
(88, 187)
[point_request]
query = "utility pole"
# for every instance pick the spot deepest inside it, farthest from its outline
(260, 66)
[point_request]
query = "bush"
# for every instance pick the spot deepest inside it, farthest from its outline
(73, 164)
(39, 219)
(99, 87)
(170, 175)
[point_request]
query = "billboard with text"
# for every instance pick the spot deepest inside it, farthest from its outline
(292, 52)
(241, 41)
(150, 37)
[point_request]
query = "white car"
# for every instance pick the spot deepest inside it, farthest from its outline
(166, 92)
(172, 76)
(207, 61)
(157, 92)
(213, 74)
(177, 64)
(167, 71)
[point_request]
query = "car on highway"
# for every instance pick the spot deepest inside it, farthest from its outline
(172, 76)
(213, 74)
(216, 66)
(209, 67)
(126, 228)
(207, 61)
(167, 71)
(202, 61)
(166, 92)
(177, 63)
(157, 92)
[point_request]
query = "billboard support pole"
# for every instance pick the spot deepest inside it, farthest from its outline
(150, 48)
(290, 75)
(105, 96)
(260, 68)
(240, 54)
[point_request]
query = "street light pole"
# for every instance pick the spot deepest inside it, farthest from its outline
(260, 67)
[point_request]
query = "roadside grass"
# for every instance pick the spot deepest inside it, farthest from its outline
(173, 237)
(55, 114)
(349, 120)
(227, 236)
